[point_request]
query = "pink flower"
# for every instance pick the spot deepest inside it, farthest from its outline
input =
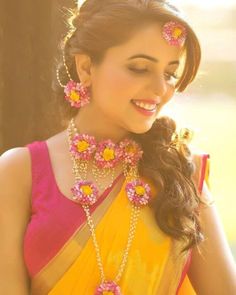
(108, 154)
(83, 146)
(76, 94)
(132, 152)
(138, 192)
(85, 192)
(110, 287)
(174, 33)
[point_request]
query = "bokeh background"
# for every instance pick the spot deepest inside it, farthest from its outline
(29, 36)
(208, 106)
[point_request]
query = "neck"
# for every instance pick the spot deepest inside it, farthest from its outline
(93, 122)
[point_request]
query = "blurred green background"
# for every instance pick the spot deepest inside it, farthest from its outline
(209, 104)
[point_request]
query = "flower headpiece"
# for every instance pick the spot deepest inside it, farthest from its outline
(174, 33)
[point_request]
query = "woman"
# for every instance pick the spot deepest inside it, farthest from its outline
(115, 203)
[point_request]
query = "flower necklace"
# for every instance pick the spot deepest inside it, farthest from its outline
(105, 155)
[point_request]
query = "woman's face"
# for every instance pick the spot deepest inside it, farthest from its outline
(138, 71)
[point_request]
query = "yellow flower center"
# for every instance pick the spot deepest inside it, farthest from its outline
(86, 190)
(140, 190)
(74, 96)
(82, 145)
(130, 149)
(108, 154)
(107, 293)
(176, 33)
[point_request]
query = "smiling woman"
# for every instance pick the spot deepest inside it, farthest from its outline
(132, 78)
(116, 203)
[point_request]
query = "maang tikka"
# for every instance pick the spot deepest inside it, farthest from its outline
(174, 33)
(75, 93)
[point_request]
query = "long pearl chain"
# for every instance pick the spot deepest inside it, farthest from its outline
(133, 223)
(130, 173)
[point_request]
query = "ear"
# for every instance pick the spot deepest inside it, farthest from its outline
(83, 68)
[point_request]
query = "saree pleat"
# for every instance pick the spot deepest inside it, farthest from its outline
(154, 266)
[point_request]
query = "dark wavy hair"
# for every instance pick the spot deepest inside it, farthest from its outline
(101, 24)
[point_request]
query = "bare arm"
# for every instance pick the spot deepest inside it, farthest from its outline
(213, 271)
(15, 189)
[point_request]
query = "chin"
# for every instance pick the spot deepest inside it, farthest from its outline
(143, 128)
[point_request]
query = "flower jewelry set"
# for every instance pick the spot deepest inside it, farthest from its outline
(104, 157)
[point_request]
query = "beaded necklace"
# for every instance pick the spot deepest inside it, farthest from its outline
(105, 155)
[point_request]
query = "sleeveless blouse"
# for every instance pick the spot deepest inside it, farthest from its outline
(50, 225)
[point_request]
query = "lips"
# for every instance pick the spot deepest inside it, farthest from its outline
(147, 104)
(148, 101)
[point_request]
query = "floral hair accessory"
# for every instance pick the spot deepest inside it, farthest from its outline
(85, 192)
(77, 95)
(132, 152)
(174, 33)
(183, 137)
(108, 287)
(83, 146)
(108, 154)
(138, 192)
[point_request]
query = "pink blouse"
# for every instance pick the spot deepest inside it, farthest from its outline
(54, 218)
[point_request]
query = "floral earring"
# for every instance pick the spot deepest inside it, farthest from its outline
(75, 93)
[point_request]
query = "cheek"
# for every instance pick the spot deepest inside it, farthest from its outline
(117, 82)
(168, 96)
(112, 87)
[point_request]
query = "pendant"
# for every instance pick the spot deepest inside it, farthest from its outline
(85, 192)
(138, 192)
(108, 288)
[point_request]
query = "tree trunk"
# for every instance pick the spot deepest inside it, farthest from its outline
(30, 32)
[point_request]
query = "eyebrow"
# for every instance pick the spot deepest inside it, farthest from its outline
(151, 58)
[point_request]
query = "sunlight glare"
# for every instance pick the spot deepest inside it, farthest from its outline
(208, 3)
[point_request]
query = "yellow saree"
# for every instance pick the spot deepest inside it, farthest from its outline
(154, 266)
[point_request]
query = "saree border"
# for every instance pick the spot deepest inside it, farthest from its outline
(46, 279)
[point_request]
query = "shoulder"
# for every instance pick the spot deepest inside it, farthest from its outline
(15, 175)
(16, 162)
(15, 154)
(15, 203)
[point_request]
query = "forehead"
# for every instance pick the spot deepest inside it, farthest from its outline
(149, 41)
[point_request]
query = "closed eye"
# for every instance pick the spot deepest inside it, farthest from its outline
(139, 71)
(171, 75)
(143, 71)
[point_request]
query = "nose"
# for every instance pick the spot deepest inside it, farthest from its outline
(159, 85)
